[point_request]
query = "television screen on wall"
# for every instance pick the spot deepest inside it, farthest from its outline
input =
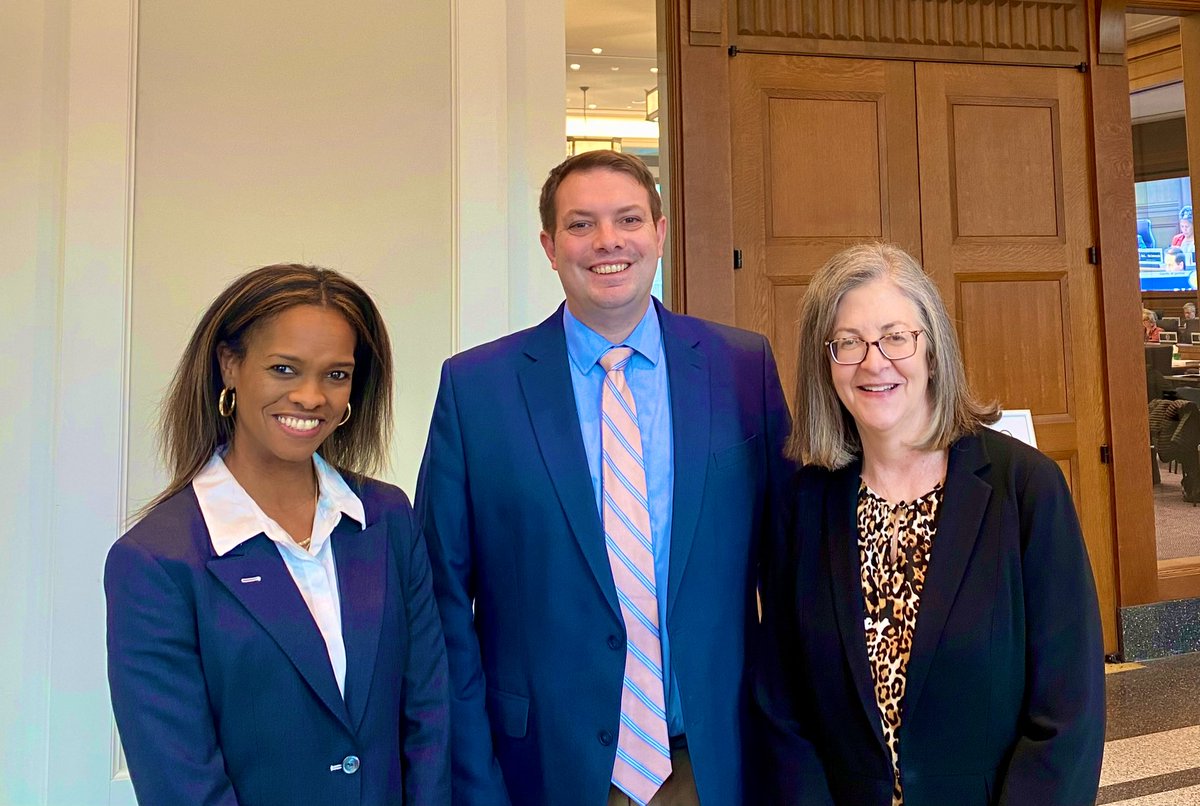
(1166, 243)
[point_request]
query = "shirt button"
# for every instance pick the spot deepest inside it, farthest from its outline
(605, 737)
(350, 765)
(614, 642)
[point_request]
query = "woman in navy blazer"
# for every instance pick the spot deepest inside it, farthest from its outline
(272, 633)
(935, 637)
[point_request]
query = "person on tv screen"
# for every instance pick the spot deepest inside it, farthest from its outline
(1185, 236)
(1174, 260)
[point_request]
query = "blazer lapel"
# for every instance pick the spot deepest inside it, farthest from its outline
(256, 576)
(362, 565)
(964, 501)
(691, 417)
(550, 399)
(841, 535)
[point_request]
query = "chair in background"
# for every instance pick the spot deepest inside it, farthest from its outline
(1145, 233)
(1170, 323)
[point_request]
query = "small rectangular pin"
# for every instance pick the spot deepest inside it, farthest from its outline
(334, 767)
(251, 579)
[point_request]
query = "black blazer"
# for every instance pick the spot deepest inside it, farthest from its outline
(1005, 695)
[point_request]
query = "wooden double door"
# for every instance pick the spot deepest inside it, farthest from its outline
(983, 173)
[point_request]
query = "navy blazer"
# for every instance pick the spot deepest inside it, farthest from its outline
(1005, 694)
(222, 686)
(534, 633)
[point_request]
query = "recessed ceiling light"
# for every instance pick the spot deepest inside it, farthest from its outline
(653, 69)
(614, 69)
(639, 101)
(597, 51)
(591, 106)
(574, 67)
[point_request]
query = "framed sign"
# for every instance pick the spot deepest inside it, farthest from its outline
(1017, 423)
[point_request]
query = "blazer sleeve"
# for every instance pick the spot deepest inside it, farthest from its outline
(1057, 757)
(159, 694)
(779, 475)
(791, 772)
(443, 513)
(425, 748)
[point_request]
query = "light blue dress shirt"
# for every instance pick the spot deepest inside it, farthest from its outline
(646, 374)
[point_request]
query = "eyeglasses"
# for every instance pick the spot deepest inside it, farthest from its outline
(892, 346)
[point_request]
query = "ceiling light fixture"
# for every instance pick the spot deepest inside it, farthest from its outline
(653, 69)
(574, 67)
(597, 51)
(614, 69)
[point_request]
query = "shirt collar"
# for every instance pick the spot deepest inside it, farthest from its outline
(585, 346)
(232, 516)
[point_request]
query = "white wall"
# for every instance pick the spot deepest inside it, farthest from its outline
(291, 132)
(32, 40)
(151, 151)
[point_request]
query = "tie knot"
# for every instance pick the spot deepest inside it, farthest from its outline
(616, 358)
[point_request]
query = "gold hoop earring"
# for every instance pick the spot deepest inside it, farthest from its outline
(345, 419)
(227, 402)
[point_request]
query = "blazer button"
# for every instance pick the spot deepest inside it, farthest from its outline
(614, 642)
(350, 765)
(605, 737)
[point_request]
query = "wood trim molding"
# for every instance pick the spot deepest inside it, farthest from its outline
(1133, 510)
(1160, 6)
(1110, 45)
(1179, 579)
(1046, 32)
(1155, 61)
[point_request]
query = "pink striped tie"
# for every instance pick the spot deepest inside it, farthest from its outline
(643, 753)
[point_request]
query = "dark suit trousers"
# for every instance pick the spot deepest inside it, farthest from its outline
(678, 790)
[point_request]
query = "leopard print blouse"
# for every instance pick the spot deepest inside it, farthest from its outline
(894, 542)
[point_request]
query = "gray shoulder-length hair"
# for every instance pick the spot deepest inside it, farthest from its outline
(824, 433)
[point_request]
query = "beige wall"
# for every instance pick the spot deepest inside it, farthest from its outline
(153, 150)
(291, 132)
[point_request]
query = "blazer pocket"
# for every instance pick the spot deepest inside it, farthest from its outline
(736, 455)
(509, 713)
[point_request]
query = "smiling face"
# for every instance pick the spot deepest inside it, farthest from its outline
(292, 384)
(889, 400)
(605, 248)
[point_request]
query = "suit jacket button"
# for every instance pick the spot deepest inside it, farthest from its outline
(605, 737)
(350, 765)
(614, 642)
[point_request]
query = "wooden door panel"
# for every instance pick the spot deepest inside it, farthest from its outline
(1031, 336)
(992, 196)
(1006, 225)
(824, 156)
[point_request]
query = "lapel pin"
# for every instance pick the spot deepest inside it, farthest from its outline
(251, 579)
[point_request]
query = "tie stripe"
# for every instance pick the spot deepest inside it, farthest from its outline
(643, 758)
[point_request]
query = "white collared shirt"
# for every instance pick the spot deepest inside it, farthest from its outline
(232, 518)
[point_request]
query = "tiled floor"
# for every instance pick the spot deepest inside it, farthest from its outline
(1152, 754)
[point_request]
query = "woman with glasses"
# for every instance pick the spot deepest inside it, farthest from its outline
(272, 633)
(934, 636)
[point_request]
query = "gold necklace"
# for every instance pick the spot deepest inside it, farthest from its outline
(306, 542)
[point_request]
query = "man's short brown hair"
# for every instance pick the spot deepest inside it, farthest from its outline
(590, 161)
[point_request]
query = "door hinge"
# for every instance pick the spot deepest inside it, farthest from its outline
(733, 51)
(1105, 455)
(737, 259)
(1093, 256)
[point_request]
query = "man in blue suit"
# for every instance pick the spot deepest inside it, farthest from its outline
(517, 500)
